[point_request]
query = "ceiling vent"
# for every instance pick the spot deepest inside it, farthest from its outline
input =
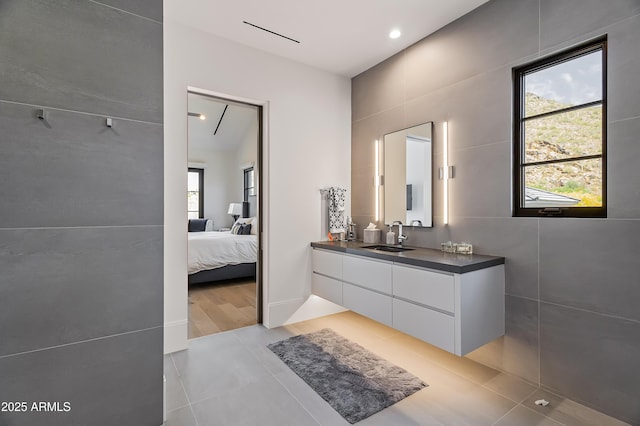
(271, 32)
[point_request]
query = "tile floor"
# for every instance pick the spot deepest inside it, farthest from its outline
(232, 378)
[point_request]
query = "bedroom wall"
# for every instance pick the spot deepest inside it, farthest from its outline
(307, 140)
(81, 220)
(219, 166)
(246, 155)
(572, 320)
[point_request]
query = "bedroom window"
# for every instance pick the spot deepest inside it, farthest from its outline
(195, 193)
(560, 134)
(249, 183)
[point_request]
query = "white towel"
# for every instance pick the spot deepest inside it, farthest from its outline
(336, 209)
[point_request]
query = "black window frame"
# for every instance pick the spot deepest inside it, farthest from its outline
(200, 191)
(249, 186)
(519, 73)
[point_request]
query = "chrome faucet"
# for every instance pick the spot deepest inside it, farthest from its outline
(401, 236)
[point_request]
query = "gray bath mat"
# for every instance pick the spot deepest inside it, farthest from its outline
(355, 382)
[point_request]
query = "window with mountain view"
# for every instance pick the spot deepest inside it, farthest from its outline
(560, 134)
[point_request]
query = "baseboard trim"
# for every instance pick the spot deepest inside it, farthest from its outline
(175, 336)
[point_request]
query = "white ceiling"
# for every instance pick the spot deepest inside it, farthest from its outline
(345, 37)
(237, 121)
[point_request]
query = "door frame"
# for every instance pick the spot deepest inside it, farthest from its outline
(261, 193)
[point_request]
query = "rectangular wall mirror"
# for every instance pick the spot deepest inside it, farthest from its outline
(408, 176)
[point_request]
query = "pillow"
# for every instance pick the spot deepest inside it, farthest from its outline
(209, 226)
(241, 229)
(245, 229)
(249, 220)
(235, 227)
(197, 225)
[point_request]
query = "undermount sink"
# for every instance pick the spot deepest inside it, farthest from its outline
(382, 247)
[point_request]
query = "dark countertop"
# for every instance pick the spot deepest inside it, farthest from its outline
(424, 257)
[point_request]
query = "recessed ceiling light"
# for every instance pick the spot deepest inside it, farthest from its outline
(202, 117)
(395, 34)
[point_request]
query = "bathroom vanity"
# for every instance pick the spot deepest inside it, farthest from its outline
(452, 301)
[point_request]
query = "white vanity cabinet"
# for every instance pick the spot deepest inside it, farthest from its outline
(326, 281)
(455, 311)
(367, 287)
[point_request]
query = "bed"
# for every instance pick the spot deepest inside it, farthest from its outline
(215, 256)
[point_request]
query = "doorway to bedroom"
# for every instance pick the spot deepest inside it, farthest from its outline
(223, 193)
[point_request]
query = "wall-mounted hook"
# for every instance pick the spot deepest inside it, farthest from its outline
(41, 114)
(109, 122)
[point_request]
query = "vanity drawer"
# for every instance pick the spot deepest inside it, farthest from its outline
(424, 287)
(373, 274)
(327, 263)
(327, 288)
(368, 303)
(431, 326)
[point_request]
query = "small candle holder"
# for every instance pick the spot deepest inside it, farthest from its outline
(448, 247)
(459, 248)
(464, 248)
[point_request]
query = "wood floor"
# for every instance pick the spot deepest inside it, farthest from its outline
(221, 306)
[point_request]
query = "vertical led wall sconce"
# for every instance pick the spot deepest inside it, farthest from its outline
(376, 179)
(444, 172)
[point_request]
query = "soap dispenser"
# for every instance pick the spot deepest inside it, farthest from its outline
(391, 236)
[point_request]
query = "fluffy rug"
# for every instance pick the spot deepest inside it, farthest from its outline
(355, 382)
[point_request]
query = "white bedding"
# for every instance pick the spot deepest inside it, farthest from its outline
(210, 250)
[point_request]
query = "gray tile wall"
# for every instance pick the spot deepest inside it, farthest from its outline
(572, 322)
(81, 222)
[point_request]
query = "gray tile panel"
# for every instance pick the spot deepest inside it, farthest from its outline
(623, 157)
(590, 358)
(428, 237)
(510, 386)
(206, 372)
(388, 78)
(449, 400)
(181, 417)
(230, 407)
(623, 58)
(364, 132)
(176, 397)
(517, 351)
(111, 381)
(471, 126)
(568, 412)
(72, 170)
(481, 186)
(256, 339)
(310, 400)
(491, 36)
(566, 19)
(434, 106)
(591, 264)
(363, 200)
(151, 9)
(66, 285)
(523, 416)
(81, 56)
